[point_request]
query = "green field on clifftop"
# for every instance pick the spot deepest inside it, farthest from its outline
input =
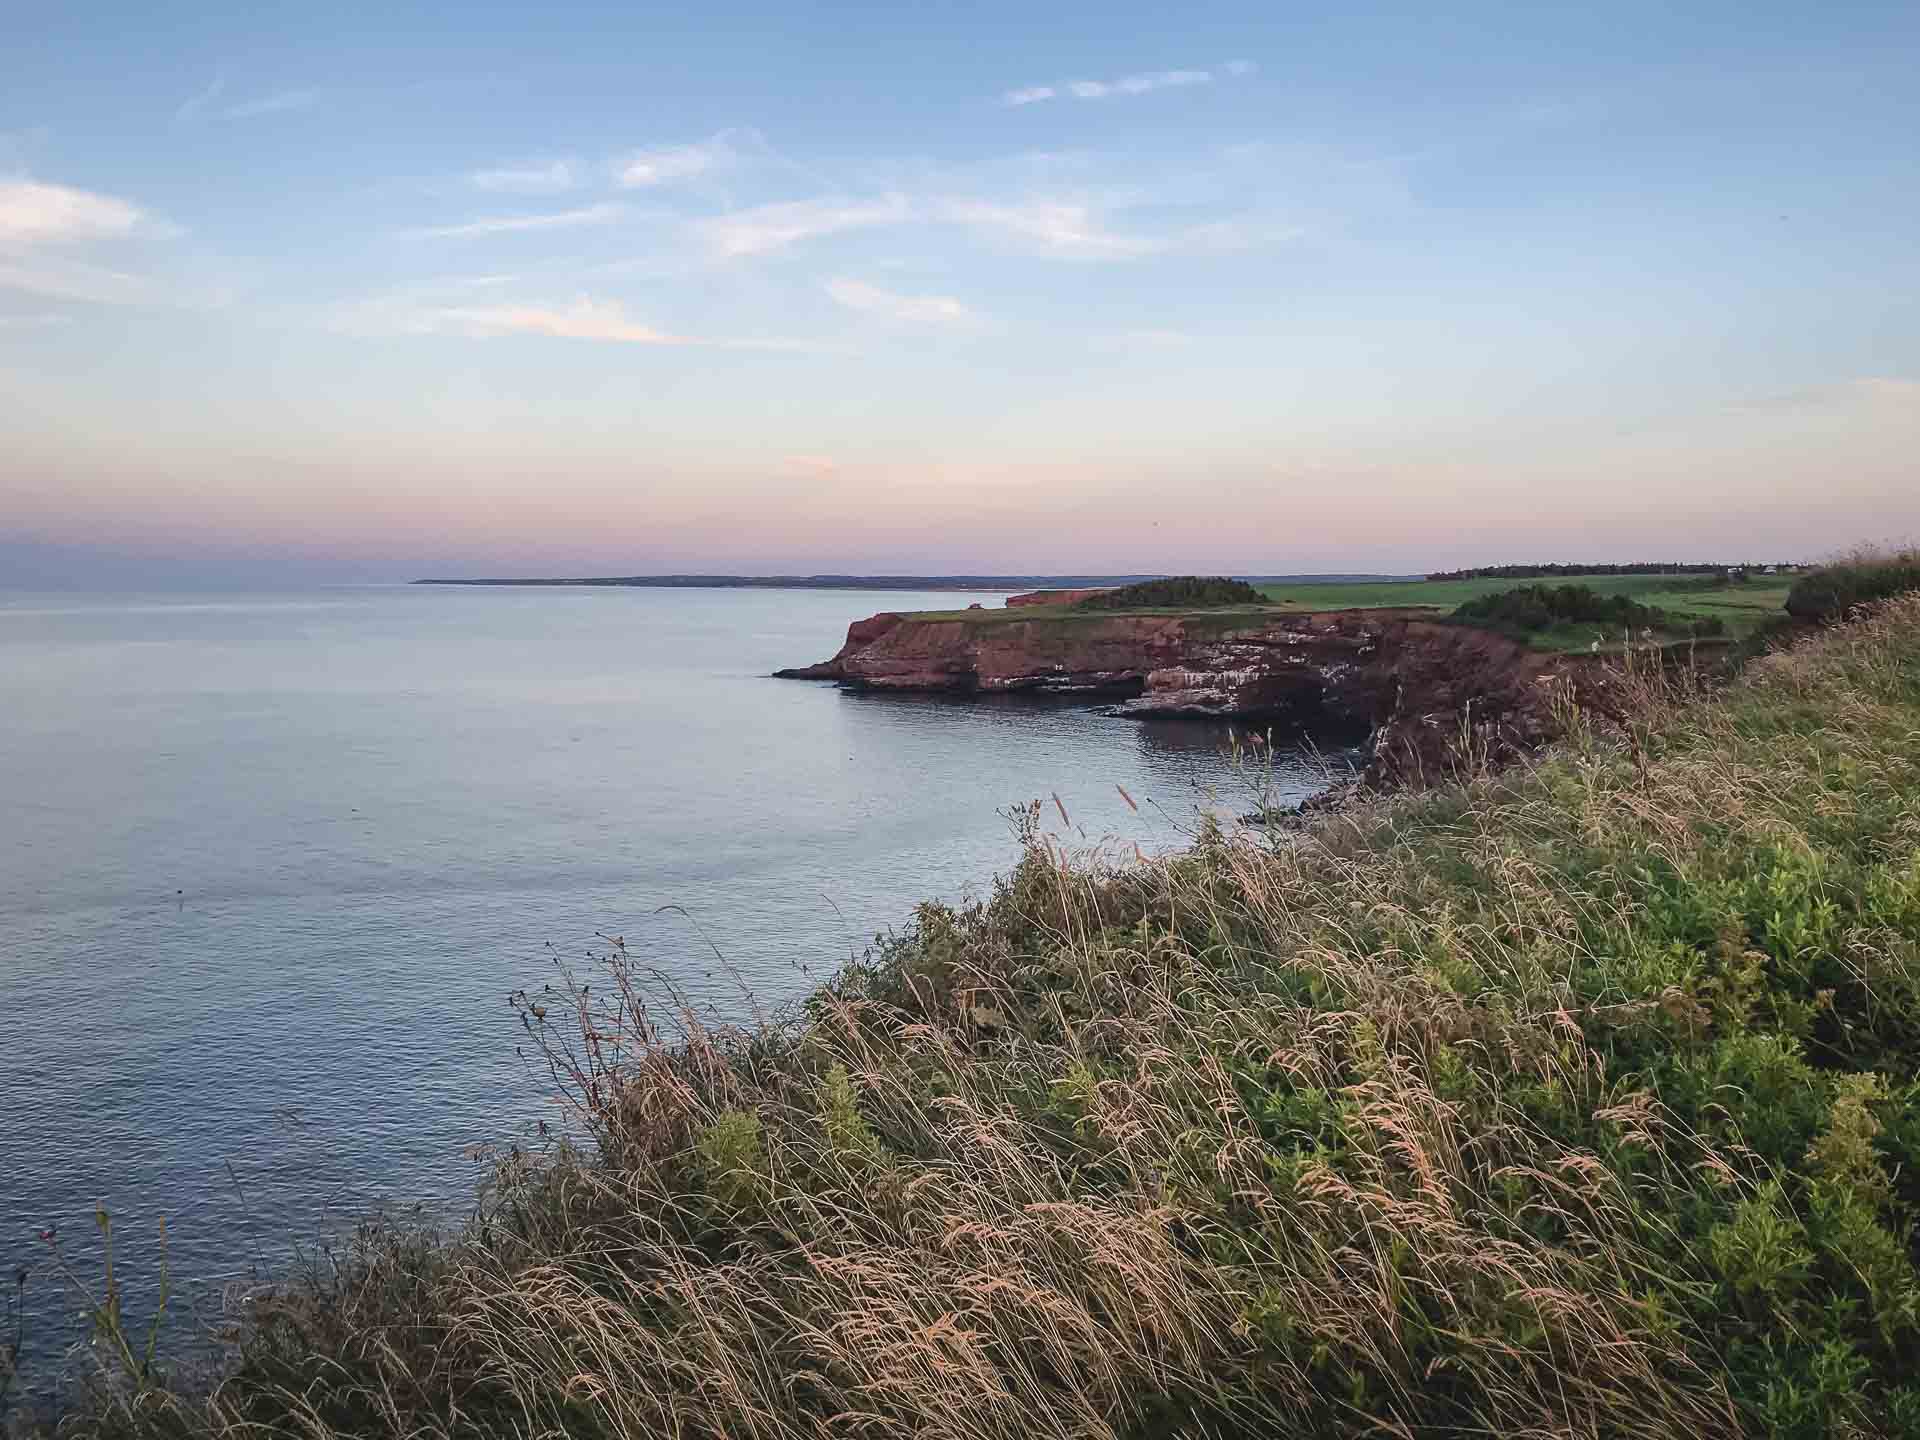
(1742, 608)
(1071, 614)
(1740, 605)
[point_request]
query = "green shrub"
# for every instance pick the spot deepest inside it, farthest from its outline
(1529, 609)
(1831, 591)
(1194, 592)
(1538, 607)
(731, 1157)
(847, 1131)
(1762, 1251)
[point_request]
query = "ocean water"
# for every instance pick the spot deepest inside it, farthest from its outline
(270, 864)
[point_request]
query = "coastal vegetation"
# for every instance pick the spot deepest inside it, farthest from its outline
(1866, 575)
(1184, 595)
(1193, 592)
(1744, 607)
(803, 582)
(1685, 601)
(1582, 1099)
(1559, 571)
(1529, 609)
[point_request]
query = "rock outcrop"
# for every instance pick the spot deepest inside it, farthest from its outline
(1422, 689)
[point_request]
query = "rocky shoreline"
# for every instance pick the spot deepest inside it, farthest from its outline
(1423, 689)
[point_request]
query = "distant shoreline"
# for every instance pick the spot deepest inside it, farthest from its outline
(897, 582)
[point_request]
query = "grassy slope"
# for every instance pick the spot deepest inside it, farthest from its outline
(1579, 1102)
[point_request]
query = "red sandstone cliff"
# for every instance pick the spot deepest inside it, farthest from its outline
(1419, 686)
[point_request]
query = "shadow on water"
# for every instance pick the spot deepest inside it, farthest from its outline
(1174, 733)
(1227, 765)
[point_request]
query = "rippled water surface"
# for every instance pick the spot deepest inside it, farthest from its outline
(269, 866)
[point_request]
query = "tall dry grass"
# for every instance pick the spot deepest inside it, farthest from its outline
(1572, 1102)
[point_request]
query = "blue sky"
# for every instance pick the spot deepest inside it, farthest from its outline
(362, 292)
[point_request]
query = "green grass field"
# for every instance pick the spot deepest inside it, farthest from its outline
(1765, 596)
(1743, 608)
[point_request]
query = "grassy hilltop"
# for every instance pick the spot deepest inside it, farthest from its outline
(1741, 608)
(1583, 1100)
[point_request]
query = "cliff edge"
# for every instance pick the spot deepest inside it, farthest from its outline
(1420, 687)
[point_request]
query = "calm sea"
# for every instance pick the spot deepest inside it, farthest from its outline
(270, 864)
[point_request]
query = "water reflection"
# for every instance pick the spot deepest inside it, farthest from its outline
(1227, 766)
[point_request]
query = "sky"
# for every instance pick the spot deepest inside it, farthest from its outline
(364, 292)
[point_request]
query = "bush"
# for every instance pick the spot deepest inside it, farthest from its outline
(1190, 591)
(1540, 607)
(1831, 591)
(1528, 609)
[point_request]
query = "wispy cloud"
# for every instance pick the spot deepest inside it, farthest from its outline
(285, 102)
(667, 164)
(1074, 226)
(440, 309)
(33, 213)
(1064, 228)
(585, 319)
(193, 105)
(57, 278)
(766, 228)
(1144, 83)
(527, 179)
(940, 311)
(46, 229)
(507, 224)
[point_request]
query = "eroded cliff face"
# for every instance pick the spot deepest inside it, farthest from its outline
(1059, 653)
(1420, 688)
